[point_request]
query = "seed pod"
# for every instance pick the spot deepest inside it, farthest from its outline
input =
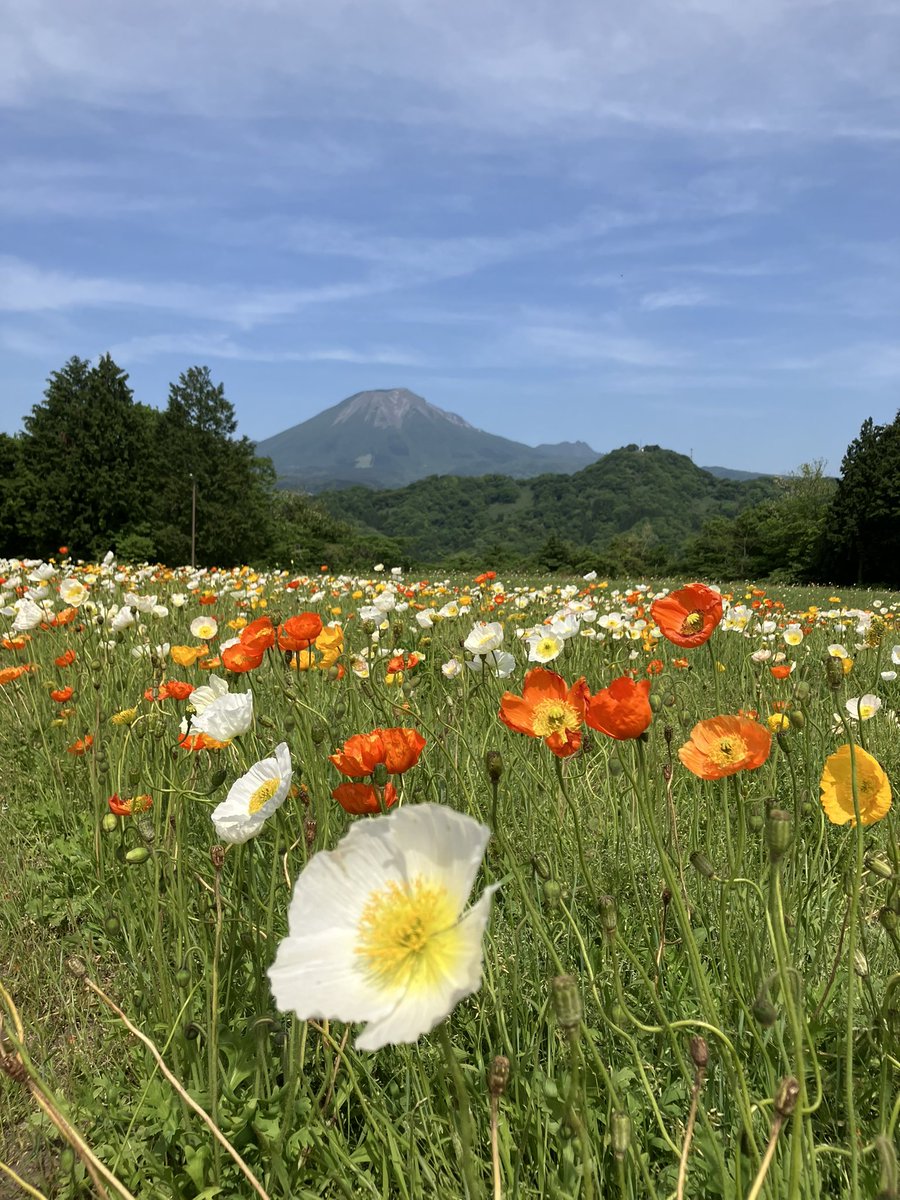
(860, 964)
(134, 776)
(834, 672)
(699, 1052)
(217, 857)
(146, 830)
(289, 724)
(567, 1002)
(137, 855)
(75, 966)
(614, 766)
(318, 733)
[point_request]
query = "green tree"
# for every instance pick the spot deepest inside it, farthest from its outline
(196, 447)
(12, 505)
(83, 457)
(863, 540)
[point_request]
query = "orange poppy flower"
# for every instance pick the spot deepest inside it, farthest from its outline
(298, 632)
(781, 671)
(61, 695)
(127, 807)
(16, 643)
(80, 746)
(362, 797)
(65, 616)
(398, 749)
(688, 617)
(8, 674)
(259, 635)
(66, 659)
(548, 708)
(654, 666)
(240, 658)
(186, 656)
(725, 745)
(200, 741)
(622, 710)
(174, 689)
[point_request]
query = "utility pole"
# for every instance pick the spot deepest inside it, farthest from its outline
(193, 520)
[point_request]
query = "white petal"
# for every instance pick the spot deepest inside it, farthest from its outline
(317, 976)
(439, 843)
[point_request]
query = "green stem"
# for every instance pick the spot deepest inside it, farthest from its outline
(474, 1189)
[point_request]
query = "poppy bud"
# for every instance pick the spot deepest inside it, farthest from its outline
(380, 775)
(620, 1133)
(614, 766)
(67, 1160)
(318, 733)
(112, 925)
(764, 1010)
(654, 701)
(493, 764)
(802, 690)
(541, 865)
(137, 855)
(216, 780)
(888, 1180)
(786, 1096)
(183, 977)
(110, 822)
(860, 964)
(889, 919)
(797, 719)
(552, 893)
(192, 1031)
(339, 711)
(567, 1002)
(609, 917)
(75, 966)
(289, 724)
(699, 1052)
(778, 834)
(879, 865)
(756, 822)
(309, 832)
(834, 672)
(217, 857)
(266, 722)
(702, 864)
(498, 1076)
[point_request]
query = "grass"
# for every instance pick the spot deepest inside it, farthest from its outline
(641, 908)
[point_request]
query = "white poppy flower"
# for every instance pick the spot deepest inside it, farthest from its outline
(895, 655)
(545, 649)
(451, 669)
(498, 663)
(377, 931)
(204, 628)
(28, 615)
(202, 697)
(485, 637)
(888, 676)
(226, 717)
(253, 798)
(861, 708)
(73, 592)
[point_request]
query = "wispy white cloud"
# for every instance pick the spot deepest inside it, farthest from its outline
(221, 346)
(678, 297)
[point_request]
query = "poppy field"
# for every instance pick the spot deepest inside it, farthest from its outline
(319, 885)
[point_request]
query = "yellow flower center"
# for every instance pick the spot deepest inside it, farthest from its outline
(692, 623)
(263, 795)
(546, 646)
(408, 935)
(866, 711)
(555, 716)
(728, 750)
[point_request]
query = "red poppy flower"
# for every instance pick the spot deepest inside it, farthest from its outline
(65, 616)
(548, 708)
(80, 746)
(258, 636)
(622, 710)
(127, 807)
(240, 658)
(654, 666)
(8, 674)
(688, 616)
(61, 695)
(66, 659)
(398, 749)
(199, 741)
(725, 745)
(298, 632)
(363, 798)
(781, 670)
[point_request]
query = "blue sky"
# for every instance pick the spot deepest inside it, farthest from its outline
(668, 221)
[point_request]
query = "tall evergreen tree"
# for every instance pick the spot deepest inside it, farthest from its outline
(864, 524)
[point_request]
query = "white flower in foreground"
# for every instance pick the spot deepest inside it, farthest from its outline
(485, 637)
(226, 717)
(377, 931)
(254, 797)
(202, 697)
(861, 708)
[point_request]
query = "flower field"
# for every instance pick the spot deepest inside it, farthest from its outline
(331, 886)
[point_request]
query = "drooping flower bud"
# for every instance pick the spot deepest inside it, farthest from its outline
(493, 764)
(786, 1096)
(609, 917)
(498, 1076)
(567, 1002)
(778, 834)
(620, 1133)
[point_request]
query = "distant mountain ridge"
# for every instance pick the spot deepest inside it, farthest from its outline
(388, 438)
(391, 437)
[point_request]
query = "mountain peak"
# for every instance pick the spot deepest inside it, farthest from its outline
(388, 408)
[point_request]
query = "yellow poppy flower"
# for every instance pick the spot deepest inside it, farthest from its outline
(873, 787)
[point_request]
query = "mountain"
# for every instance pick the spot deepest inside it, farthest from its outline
(731, 473)
(653, 497)
(385, 439)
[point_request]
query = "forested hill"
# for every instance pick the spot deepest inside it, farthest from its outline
(647, 494)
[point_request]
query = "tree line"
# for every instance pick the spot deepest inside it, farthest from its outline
(95, 470)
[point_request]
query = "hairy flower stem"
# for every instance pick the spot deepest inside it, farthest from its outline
(573, 1116)
(474, 1189)
(576, 822)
